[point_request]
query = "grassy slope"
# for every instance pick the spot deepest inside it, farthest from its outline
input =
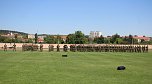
(78, 68)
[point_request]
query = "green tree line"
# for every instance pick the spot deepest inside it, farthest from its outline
(77, 38)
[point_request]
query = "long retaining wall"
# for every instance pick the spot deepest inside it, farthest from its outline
(19, 45)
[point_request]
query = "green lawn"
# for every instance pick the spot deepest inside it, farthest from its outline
(78, 68)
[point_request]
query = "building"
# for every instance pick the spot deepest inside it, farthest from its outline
(12, 35)
(31, 36)
(94, 34)
(63, 37)
(9, 36)
(140, 38)
(42, 36)
(40, 40)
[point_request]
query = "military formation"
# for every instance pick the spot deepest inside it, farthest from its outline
(51, 48)
(30, 47)
(84, 48)
(110, 48)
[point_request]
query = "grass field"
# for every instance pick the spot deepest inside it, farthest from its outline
(78, 68)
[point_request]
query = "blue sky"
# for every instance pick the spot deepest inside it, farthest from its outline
(67, 16)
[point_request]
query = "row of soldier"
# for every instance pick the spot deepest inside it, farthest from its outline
(14, 47)
(110, 48)
(89, 48)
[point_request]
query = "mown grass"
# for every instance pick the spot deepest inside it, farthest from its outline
(78, 68)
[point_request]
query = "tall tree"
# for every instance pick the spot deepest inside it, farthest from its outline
(107, 40)
(49, 39)
(114, 38)
(99, 40)
(70, 39)
(59, 40)
(77, 38)
(2, 38)
(16, 38)
(36, 38)
(80, 38)
(130, 39)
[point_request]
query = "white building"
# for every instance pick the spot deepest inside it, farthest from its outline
(94, 34)
(32, 36)
(42, 36)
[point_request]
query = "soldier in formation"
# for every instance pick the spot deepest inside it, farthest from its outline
(41, 47)
(146, 48)
(111, 48)
(23, 47)
(51, 48)
(14, 47)
(58, 48)
(32, 47)
(65, 48)
(73, 48)
(5, 47)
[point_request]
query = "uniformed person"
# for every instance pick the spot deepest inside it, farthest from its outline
(143, 48)
(58, 48)
(96, 48)
(147, 48)
(135, 48)
(23, 47)
(140, 48)
(14, 47)
(49, 48)
(70, 47)
(32, 47)
(52, 48)
(78, 48)
(5, 47)
(65, 48)
(41, 47)
(74, 48)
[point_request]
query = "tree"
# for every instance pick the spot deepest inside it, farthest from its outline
(77, 38)
(30, 40)
(59, 40)
(2, 38)
(114, 38)
(80, 38)
(142, 40)
(130, 40)
(36, 38)
(99, 40)
(16, 38)
(49, 39)
(107, 40)
(52, 39)
(147, 42)
(8, 40)
(119, 41)
(25, 37)
(70, 39)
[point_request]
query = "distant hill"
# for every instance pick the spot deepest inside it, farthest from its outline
(9, 31)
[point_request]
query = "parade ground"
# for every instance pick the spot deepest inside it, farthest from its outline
(77, 68)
